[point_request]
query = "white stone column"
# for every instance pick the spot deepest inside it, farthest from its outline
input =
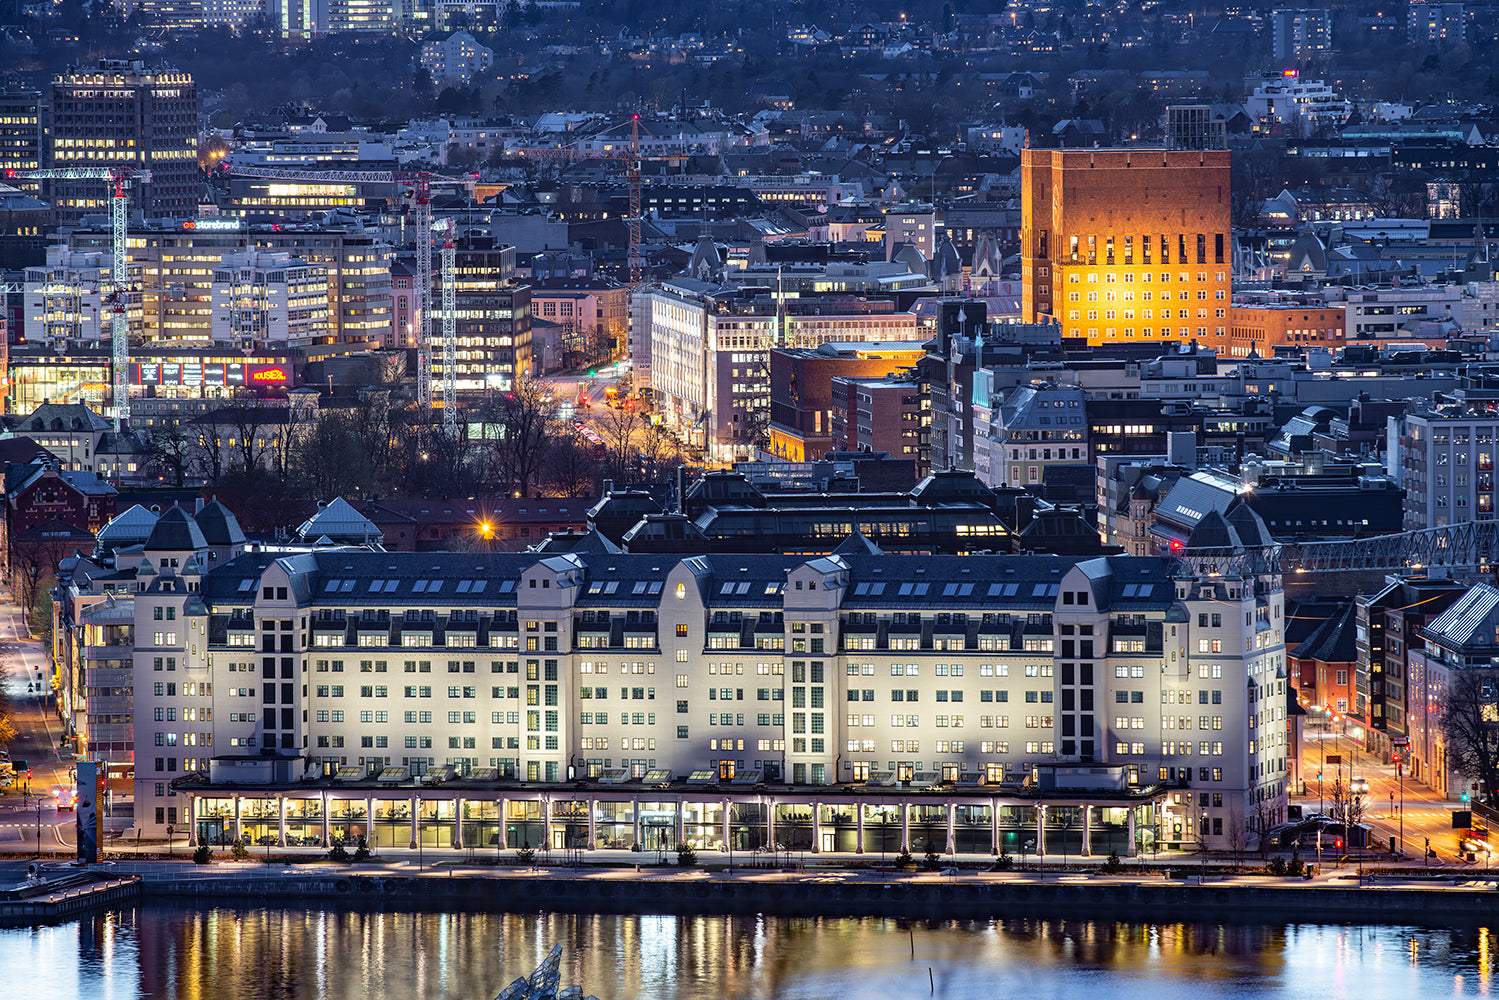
(593, 825)
(504, 840)
(770, 823)
(859, 827)
(1040, 831)
(1087, 831)
(192, 820)
(458, 821)
(416, 806)
(952, 839)
(1133, 849)
(369, 821)
(280, 821)
(325, 819)
(816, 827)
(994, 828)
(239, 826)
(635, 817)
(905, 826)
(728, 827)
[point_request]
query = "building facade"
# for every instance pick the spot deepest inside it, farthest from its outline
(851, 669)
(1127, 244)
(121, 114)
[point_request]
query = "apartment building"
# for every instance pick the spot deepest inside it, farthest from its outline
(1127, 244)
(853, 669)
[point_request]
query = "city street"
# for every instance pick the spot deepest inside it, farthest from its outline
(38, 732)
(1390, 798)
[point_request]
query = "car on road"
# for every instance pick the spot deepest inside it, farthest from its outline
(1360, 786)
(67, 798)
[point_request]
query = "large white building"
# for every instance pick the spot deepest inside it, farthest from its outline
(710, 341)
(853, 670)
(1297, 106)
(269, 300)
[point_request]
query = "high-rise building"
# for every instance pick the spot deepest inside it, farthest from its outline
(1299, 36)
(1127, 244)
(123, 114)
(353, 16)
(21, 135)
(493, 321)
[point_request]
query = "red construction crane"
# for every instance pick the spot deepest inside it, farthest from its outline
(632, 159)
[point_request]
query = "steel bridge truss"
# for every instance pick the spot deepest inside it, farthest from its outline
(1465, 548)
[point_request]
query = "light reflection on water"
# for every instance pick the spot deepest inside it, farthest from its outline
(231, 953)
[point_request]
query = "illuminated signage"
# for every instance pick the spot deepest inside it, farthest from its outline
(269, 375)
(212, 224)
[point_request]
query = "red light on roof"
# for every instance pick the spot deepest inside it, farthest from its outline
(1176, 545)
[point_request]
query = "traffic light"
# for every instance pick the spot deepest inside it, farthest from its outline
(1319, 775)
(1338, 843)
(1465, 798)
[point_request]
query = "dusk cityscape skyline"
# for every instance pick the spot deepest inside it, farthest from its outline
(1061, 432)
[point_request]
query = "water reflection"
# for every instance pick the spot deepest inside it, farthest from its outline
(228, 953)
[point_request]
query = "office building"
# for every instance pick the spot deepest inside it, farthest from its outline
(177, 262)
(856, 670)
(1127, 244)
(269, 301)
(124, 114)
(1443, 452)
(20, 135)
(493, 321)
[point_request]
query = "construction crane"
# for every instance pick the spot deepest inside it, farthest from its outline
(120, 178)
(632, 159)
(449, 330)
(416, 184)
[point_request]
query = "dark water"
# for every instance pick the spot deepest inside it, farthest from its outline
(235, 953)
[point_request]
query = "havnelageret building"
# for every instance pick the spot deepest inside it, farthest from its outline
(509, 674)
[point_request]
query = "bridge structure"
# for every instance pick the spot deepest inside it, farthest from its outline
(1463, 549)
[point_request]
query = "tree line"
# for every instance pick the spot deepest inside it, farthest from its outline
(270, 459)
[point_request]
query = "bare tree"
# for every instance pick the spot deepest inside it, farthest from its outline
(330, 458)
(622, 431)
(523, 423)
(34, 555)
(170, 452)
(1238, 834)
(247, 418)
(1470, 728)
(572, 469)
(212, 456)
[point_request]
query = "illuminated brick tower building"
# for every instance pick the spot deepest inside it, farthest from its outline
(1127, 244)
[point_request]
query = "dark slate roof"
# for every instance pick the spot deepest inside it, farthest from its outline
(176, 529)
(1335, 640)
(219, 525)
